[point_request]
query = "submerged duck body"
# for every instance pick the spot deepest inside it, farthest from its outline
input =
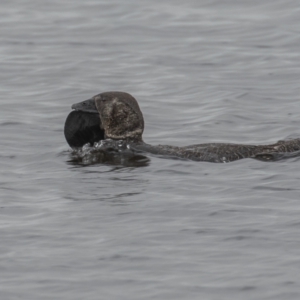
(116, 116)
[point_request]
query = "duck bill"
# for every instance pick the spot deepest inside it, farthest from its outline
(86, 106)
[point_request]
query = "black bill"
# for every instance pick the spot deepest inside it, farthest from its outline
(86, 106)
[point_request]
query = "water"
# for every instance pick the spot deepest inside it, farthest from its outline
(202, 71)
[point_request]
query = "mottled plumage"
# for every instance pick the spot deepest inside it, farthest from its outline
(122, 119)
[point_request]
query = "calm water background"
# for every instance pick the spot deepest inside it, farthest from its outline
(202, 71)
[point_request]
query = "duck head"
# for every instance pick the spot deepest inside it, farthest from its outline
(109, 115)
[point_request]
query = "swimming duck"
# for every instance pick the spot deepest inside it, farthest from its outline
(117, 116)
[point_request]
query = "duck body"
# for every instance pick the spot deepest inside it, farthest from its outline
(221, 152)
(116, 116)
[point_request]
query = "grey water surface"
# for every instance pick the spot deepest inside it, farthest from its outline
(202, 71)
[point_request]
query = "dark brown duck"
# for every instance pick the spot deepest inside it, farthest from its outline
(117, 116)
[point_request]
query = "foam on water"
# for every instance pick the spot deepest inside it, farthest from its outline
(107, 151)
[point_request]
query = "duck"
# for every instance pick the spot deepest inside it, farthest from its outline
(117, 117)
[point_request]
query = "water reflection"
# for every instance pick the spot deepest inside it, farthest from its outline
(276, 156)
(108, 158)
